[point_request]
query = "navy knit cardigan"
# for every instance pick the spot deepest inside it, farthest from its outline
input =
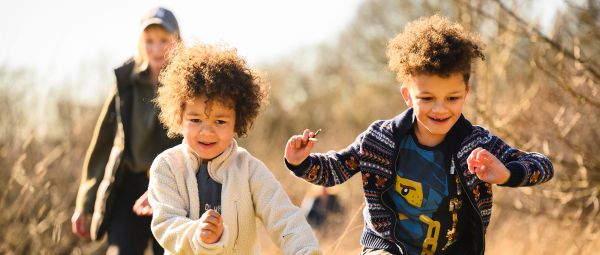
(374, 154)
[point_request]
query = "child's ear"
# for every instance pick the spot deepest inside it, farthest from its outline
(406, 95)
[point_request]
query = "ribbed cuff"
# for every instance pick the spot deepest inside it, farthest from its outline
(369, 239)
(517, 174)
(298, 170)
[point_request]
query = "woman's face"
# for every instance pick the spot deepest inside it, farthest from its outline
(157, 43)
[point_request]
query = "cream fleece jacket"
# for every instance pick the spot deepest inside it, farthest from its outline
(249, 191)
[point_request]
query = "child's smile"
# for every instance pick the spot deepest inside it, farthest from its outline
(439, 120)
(207, 145)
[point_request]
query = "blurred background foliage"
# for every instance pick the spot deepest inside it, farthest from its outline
(538, 89)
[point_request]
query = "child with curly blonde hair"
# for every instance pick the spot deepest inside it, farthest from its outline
(427, 174)
(207, 192)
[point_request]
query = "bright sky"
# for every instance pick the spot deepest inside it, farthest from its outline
(56, 37)
(61, 38)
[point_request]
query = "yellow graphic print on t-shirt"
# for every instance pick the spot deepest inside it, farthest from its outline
(412, 192)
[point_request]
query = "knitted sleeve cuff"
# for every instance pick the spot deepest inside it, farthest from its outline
(298, 170)
(517, 174)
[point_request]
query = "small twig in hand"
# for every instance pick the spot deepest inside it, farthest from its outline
(313, 138)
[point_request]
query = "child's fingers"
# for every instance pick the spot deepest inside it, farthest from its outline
(213, 213)
(476, 152)
(473, 154)
(297, 142)
(482, 168)
(212, 220)
(482, 155)
(208, 235)
(305, 134)
(308, 138)
(473, 161)
(209, 227)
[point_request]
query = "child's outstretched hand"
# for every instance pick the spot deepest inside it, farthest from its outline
(211, 227)
(299, 146)
(487, 167)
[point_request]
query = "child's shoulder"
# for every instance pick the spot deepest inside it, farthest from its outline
(381, 126)
(478, 135)
(244, 156)
(246, 164)
(479, 131)
(401, 122)
(171, 154)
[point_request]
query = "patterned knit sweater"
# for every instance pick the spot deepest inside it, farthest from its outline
(374, 154)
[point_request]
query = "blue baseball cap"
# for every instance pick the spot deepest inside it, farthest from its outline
(160, 16)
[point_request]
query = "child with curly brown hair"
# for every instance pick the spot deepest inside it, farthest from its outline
(427, 174)
(207, 192)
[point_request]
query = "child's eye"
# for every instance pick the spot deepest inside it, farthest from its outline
(221, 122)
(453, 98)
(425, 98)
(195, 120)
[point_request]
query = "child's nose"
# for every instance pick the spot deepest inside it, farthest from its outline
(438, 106)
(206, 129)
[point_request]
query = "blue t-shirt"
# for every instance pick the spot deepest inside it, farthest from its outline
(209, 191)
(421, 197)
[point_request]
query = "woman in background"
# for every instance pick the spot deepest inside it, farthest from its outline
(127, 138)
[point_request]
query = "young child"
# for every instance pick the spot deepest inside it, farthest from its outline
(427, 173)
(207, 192)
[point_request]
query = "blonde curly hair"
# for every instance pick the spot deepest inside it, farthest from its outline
(215, 72)
(433, 45)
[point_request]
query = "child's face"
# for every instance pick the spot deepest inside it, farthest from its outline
(437, 103)
(157, 43)
(208, 132)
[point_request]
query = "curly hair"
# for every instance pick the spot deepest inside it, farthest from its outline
(215, 72)
(433, 45)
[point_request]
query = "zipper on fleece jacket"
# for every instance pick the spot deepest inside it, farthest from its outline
(237, 227)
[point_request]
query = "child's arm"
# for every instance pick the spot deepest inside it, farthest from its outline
(496, 162)
(325, 169)
(170, 224)
(284, 222)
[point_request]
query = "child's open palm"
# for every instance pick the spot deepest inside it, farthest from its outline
(211, 227)
(298, 147)
(487, 167)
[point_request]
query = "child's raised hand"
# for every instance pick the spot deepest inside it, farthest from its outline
(299, 146)
(487, 167)
(211, 227)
